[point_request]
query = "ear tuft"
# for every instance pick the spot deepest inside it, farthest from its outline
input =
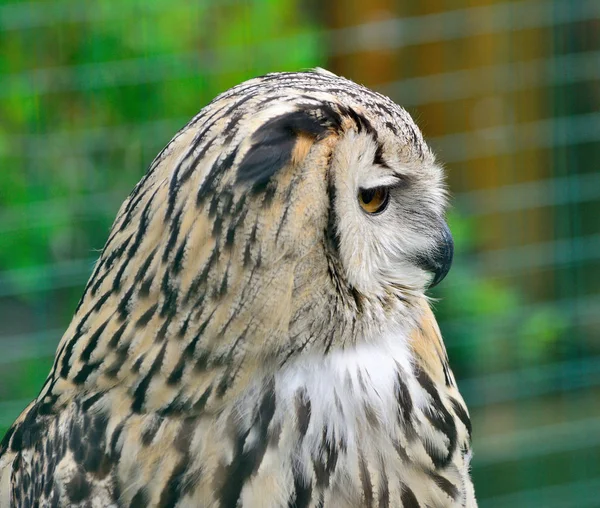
(273, 145)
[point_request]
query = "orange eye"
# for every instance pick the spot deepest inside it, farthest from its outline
(373, 200)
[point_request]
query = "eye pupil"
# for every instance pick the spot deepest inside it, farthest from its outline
(367, 195)
(373, 200)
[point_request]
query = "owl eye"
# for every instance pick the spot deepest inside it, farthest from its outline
(373, 200)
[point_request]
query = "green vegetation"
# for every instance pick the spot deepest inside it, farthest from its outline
(90, 92)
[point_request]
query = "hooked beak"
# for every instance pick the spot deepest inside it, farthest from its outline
(439, 261)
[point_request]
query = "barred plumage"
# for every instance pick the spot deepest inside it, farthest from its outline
(250, 336)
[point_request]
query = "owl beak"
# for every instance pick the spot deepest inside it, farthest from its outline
(440, 260)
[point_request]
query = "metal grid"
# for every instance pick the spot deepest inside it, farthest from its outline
(520, 136)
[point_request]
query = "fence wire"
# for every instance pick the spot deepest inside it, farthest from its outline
(507, 94)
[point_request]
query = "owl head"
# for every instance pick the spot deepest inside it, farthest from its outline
(297, 211)
(296, 188)
(366, 185)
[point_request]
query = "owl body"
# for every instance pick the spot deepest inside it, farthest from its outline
(255, 332)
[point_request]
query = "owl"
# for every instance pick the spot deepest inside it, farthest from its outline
(255, 332)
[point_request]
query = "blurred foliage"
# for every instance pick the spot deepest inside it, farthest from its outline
(469, 305)
(90, 92)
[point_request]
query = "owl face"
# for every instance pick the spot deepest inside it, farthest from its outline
(390, 215)
(349, 200)
(354, 178)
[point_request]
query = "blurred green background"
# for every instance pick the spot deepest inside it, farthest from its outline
(507, 92)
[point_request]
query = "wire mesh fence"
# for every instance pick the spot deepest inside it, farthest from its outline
(506, 92)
